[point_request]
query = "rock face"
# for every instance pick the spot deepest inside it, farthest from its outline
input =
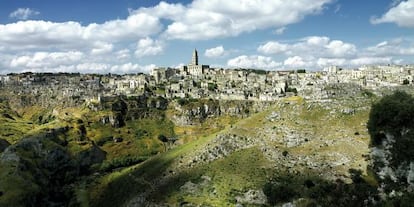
(222, 146)
(42, 163)
(392, 135)
(196, 112)
(385, 167)
(130, 108)
(3, 145)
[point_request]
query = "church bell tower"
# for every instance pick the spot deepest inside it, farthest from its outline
(194, 60)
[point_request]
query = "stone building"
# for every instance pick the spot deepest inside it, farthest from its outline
(194, 69)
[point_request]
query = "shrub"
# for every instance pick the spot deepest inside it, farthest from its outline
(393, 115)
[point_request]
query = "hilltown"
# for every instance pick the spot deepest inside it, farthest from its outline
(200, 81)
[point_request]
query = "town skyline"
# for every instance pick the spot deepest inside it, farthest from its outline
(136, 36)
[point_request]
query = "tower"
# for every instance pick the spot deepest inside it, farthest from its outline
(194, 60)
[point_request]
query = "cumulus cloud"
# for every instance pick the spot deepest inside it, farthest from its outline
(395, 47)
(91, 67)
(371, 61)
(132, 68)
(207, 19)
(295, 62)
(102, 48)
(69, 35)
(23, 13)
(320, 51)
(215, 52)
(310, 46)
(401, 14)
(123, 54)
(148, 47)
(254, 61)
(273, 48)
(46, 60)
(324, 62)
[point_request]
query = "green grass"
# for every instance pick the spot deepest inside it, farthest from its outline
(242, 170)
(232, 176)
(118, 187)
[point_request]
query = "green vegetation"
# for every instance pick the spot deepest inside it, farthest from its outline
(406, 82)
(316, 191)
(132, 135)
(212, 86)
(393, 114)
(291, 90)
(391, 124)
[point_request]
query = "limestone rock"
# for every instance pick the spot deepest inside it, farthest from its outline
(256, 197)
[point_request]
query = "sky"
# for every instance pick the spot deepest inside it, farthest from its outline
(132, 36)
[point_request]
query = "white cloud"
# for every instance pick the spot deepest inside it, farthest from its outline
(92, 67)
(207, 19)
(273, 48)
(323, 62)
(23, 13)
(395, 47)
(137, 25)
(102, 48)
(280, 31)
(123, 54)
(31, 34)
(311, 46)
(402, 14)
(254, 61)
(318, 51)
(215, 52)
(295, 62)
(340, 49)
(132, 68)
(370, 61)
(148, 47)
(46, 60)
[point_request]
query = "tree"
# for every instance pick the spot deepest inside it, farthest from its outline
(406, 82)
(164, 140)
(391, 127)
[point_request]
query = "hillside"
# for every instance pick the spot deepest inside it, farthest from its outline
(322, 140)
(150, 151)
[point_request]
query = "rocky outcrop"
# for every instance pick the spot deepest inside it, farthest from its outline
(222, 146)
(130, 108)
(43, 162)
(196, 112)
(252, 197)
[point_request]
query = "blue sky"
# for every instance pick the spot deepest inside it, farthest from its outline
(129, 36)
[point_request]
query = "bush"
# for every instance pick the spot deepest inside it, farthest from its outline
(182, 101)
(162, 138)
(393, 115)
(406, 82)
(280, 192)
(212, 86)
(293, 90)
(122, 162)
